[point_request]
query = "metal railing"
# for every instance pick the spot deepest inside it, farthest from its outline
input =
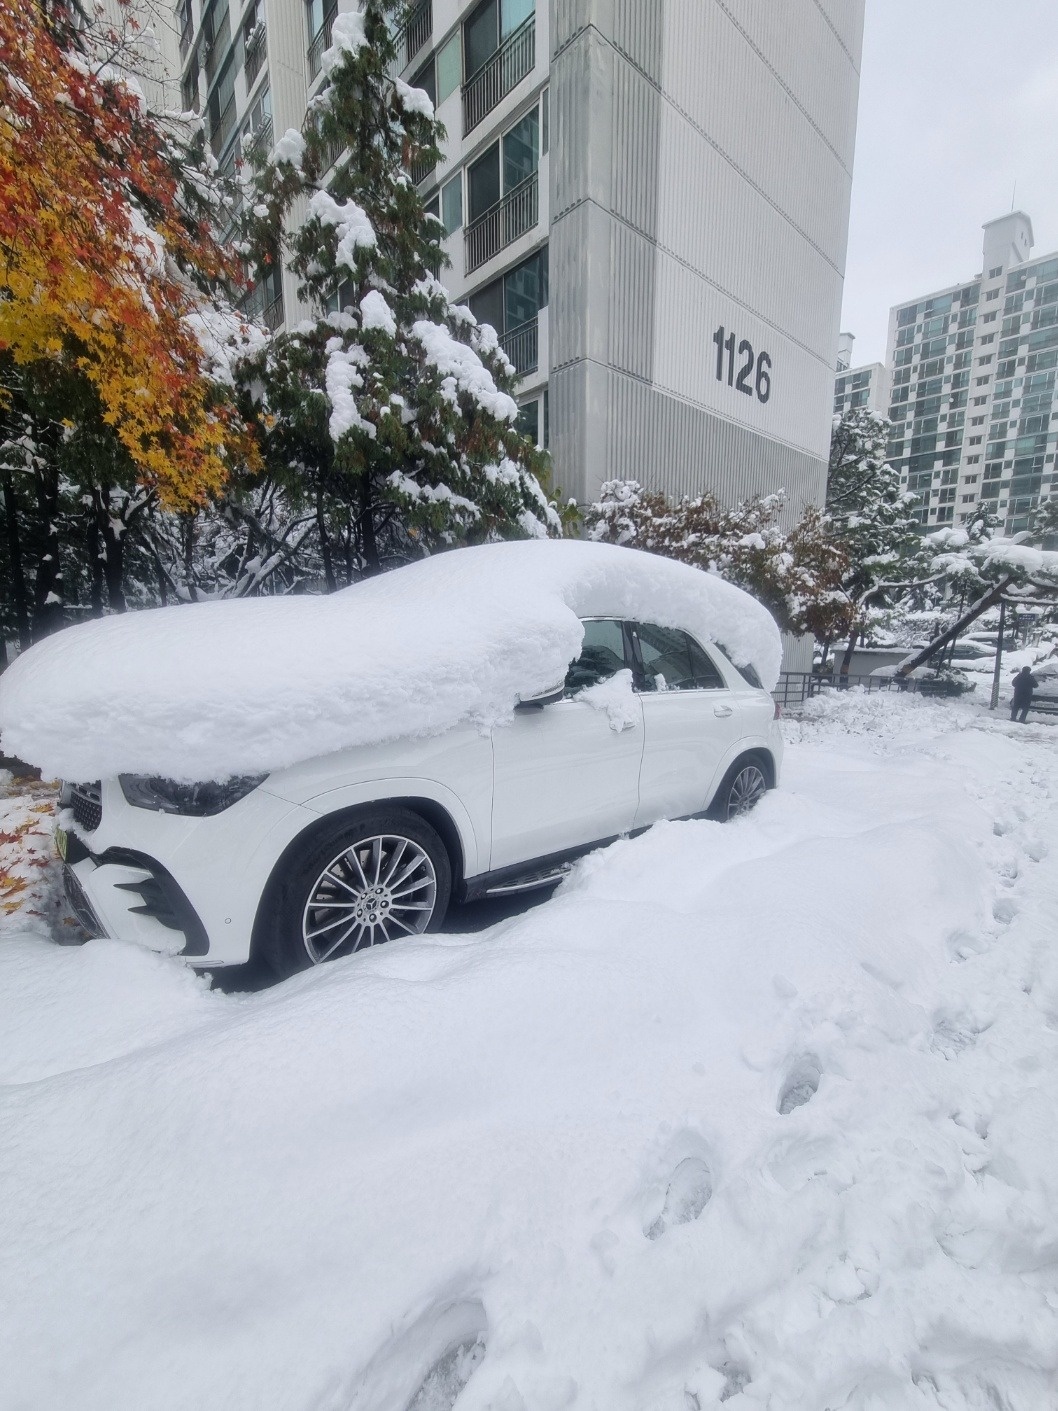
(795, 687)
(273, 314)
(422, 171)
(501, 224)
(515, 58)
(258, 140)
(321, 41)
(415, 32)
(256, 53)
(225, 123)
(217, 50)
(522, 346)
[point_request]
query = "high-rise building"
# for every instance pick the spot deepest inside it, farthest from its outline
(973, 370)
(647, 198)
(864, 386)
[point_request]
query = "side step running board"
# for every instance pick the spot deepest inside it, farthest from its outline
(530, 883)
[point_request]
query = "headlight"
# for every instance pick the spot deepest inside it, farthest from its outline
(194, 800)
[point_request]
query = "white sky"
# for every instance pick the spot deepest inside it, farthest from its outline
(958, 100)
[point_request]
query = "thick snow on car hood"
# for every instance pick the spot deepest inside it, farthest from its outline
(756, 1116)
(212, 689)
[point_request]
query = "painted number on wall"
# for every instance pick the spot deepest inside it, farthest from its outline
(753, 375)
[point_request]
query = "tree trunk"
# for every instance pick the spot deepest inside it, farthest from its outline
(19, 595)
(48, 590)
(93, 549)
(372, 565)
(325, 543)
(846, 660)
(972, 613)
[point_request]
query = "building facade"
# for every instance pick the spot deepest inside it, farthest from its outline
(647, 198)
(866, 386)
(973, 373)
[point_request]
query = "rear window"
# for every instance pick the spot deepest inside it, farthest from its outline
(748, 673)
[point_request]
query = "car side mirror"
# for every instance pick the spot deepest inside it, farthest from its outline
(541, 698)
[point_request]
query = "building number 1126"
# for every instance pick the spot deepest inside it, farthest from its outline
(754, 377)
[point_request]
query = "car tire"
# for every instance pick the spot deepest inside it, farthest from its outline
(745, 784)
(372, 877)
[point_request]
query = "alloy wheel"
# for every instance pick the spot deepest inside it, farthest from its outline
(747, 789)
(378, 889)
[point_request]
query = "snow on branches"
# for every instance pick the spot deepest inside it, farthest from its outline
(396, 405)
(795, 572)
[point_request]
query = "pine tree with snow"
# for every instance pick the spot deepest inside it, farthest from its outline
(871, 518)
(391, 405)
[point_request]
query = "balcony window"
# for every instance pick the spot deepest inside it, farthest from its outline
(499, 50)
(254, 44)
(222, 106)
(512, 304)
(426, 79)
(452, 204)
(503, 191)
(321, 15)
(449, 68)
(189, 95)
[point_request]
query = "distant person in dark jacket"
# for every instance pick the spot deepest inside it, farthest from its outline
(1024, 685)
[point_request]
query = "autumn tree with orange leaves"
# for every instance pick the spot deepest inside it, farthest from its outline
(115, 318)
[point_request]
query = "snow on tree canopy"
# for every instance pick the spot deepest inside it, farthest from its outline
(208, 690)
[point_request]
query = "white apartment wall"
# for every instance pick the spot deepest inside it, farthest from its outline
(703, 184)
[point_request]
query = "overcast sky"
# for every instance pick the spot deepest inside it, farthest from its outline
(958, 100)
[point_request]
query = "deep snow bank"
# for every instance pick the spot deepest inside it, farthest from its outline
(758, 1116)
(212, 689)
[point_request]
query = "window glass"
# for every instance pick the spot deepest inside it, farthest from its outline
(449, 68)
(425, 80)
(481, 36)
(665, 654)
(487, 305)
(521, 150)
(515, 13)
(529, 420)
(706, 675)
(525, 291)
(483, 183)
(601, 656)
(452, 204)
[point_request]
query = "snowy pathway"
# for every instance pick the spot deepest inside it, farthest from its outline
(759, 1115)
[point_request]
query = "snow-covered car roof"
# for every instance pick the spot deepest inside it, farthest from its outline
(208, 690)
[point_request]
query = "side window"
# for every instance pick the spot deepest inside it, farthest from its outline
(602, 655)
(706, 675)
(664, 653)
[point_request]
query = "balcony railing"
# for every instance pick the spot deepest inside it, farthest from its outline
(217, 50)
(502, 223)
(256, 53)
(422, 171)
(256, 141)
(223, 128)
(415, 32)
(515, 58)
(522, 346)
(321, 41)
(273, 313)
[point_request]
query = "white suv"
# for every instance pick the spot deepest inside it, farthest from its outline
(370, 843)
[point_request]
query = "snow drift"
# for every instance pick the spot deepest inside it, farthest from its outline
(747, 1118)
(213, 689)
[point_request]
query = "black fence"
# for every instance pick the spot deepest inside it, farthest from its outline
(795, 687)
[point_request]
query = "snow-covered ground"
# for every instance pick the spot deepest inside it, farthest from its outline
(759, 1114)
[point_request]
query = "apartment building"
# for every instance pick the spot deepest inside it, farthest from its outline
(864, 386)
(974, 416)
(647, 198)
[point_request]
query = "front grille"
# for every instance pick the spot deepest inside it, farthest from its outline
(86, 801)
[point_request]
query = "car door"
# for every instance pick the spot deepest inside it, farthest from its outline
(566, 775)
(691, 720)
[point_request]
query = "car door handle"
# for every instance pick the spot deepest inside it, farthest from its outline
(722, 711)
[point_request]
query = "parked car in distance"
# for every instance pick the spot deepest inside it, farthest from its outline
(370, 843)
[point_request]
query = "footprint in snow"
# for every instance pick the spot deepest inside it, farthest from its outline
(801, 1084)
(686, 1196)
(1004, 910)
